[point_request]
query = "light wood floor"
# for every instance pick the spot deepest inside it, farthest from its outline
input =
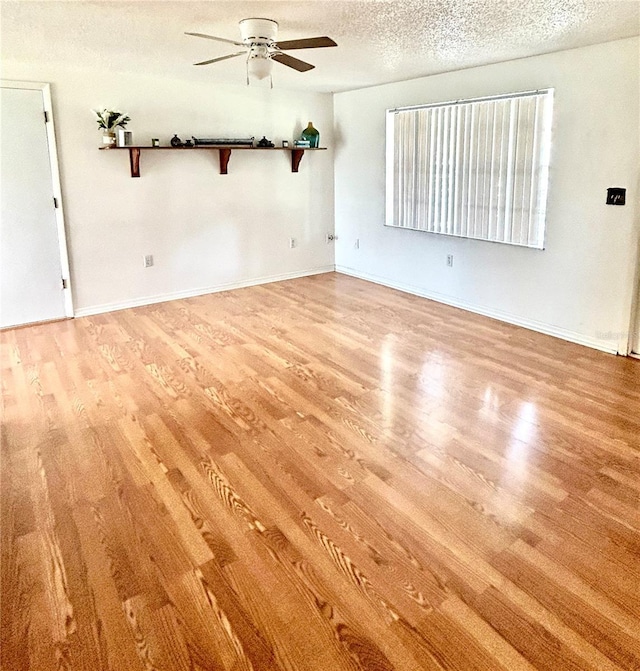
(321, 474)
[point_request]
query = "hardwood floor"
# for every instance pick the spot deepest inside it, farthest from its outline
(320, 474)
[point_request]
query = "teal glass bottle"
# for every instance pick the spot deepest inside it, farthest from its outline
(312, 135)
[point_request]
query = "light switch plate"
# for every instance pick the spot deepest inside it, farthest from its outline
(616, 195)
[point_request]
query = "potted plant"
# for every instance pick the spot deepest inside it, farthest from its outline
(109, 120)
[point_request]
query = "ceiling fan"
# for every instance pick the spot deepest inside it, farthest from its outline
(258, 37)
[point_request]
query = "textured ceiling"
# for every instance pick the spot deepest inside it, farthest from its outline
(378, 40)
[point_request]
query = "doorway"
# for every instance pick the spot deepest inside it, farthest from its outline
(34, 267)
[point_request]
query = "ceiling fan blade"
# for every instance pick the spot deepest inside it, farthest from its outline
(292, 62)
(216, 39)
(307, 43)
(221, 58)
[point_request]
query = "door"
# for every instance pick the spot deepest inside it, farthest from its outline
(635, 338)
(31, 274)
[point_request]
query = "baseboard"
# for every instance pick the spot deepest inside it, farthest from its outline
(540, 327)
(190, 293)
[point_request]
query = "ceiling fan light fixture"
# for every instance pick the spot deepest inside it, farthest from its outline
(260, 67)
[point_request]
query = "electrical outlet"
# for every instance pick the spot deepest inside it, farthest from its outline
(450, 260)
(292, 243)
(357, 243)
(147, 260)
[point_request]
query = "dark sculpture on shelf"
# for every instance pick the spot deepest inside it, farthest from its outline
(176, 141)
(265, 143)
(223, 141)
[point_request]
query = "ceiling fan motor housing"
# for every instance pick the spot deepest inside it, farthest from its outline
(258, 31)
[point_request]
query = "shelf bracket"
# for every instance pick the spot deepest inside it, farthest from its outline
(225, 155)
(134, 161)
(296, 157)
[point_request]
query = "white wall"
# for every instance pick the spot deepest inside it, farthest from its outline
(205, 230)
(580, 287)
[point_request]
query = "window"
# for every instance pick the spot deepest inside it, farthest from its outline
(471, 168)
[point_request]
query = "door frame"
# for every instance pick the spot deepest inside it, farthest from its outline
(45, 89)
(634, 317)
(634, 330)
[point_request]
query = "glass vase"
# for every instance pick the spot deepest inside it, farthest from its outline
(312, 135)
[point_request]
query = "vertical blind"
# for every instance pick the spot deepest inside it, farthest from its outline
(472, 168)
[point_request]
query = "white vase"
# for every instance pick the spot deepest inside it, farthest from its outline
(109, 138)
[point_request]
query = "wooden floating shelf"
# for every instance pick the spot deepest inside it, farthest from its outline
(224, 153)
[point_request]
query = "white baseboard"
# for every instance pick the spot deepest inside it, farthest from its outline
(540, 327)
(150, 300)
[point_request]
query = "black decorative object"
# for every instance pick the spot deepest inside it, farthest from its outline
(176, 141)
(265, 143)
(223, 141)
(188, 143)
